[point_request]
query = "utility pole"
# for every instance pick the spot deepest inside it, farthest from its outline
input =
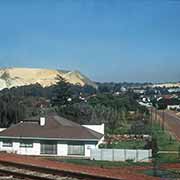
(151, 123)
(155, 155)
(163, 120)
(151, 115)
(156, 114)
(179, 152)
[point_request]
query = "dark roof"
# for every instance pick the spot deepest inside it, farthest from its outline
(56, 127)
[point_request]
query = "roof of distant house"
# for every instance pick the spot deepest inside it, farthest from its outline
(55, 127)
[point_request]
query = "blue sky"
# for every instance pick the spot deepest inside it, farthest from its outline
(107, 40)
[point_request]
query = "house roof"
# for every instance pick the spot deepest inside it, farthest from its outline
(56, 127)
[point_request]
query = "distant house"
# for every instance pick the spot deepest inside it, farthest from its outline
(51, 135)
(174, 90)
(139, 91)
(173, 107)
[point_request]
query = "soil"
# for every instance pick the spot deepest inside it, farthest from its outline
(126, 173)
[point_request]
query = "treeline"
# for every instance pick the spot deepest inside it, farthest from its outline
(85, 105)
(111, 87)
(18, 103)
(116, 111)
(36, 90)
(11, 110)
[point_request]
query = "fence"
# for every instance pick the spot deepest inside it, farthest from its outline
(121, 155)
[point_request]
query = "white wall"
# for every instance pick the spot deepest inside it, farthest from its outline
(88, 148)
(35, 150)
(121, 155)
(100, 142)
(97, 128)
(8, 149)
(62, 149)
(2, 129)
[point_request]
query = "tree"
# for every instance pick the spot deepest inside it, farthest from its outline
(62, 92)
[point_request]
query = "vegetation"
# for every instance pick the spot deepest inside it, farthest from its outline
(10, 110)
(130, 144)
(18, 103)
(105, 164)
(85, 105)
(168, 174)
(163, 103)
(115, 112)
(165, 141)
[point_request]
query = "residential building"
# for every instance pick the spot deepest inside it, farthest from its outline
(51, 136)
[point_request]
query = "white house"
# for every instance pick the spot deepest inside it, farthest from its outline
(51, 136)
(173, 107)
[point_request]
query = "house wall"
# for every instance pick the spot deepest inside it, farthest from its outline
(100, 142)
(62, 148)
(88, 148)
(173, 107)
(97, 128)
(2, 129)
(35, 150)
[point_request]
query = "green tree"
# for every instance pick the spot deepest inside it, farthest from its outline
(62, 92)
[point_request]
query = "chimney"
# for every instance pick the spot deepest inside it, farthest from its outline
(42, 121)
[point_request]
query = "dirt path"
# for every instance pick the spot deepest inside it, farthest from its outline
(126, 173)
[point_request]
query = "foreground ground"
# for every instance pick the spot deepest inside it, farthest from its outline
(132, 172)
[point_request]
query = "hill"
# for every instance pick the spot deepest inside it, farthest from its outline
(14, 77)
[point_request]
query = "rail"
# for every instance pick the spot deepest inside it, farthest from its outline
(47, 170)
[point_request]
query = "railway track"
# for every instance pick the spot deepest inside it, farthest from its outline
(30, 172)
(14, 173)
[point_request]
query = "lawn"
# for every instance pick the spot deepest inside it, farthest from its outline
(170, 174)
(104, 164)
(168, 158)
(165, 141)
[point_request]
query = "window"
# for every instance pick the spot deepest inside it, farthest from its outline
(49, 148)
(7, 143)
(26, 144)
(76, 149)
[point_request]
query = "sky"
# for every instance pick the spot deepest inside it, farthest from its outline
(107, 40)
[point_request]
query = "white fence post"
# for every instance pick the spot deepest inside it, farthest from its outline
(137, 159)
(113, 155)
(125, 155)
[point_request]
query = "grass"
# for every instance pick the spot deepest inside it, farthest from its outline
(164, 173)
(105, 164)
(165, 141)
(168, 158)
